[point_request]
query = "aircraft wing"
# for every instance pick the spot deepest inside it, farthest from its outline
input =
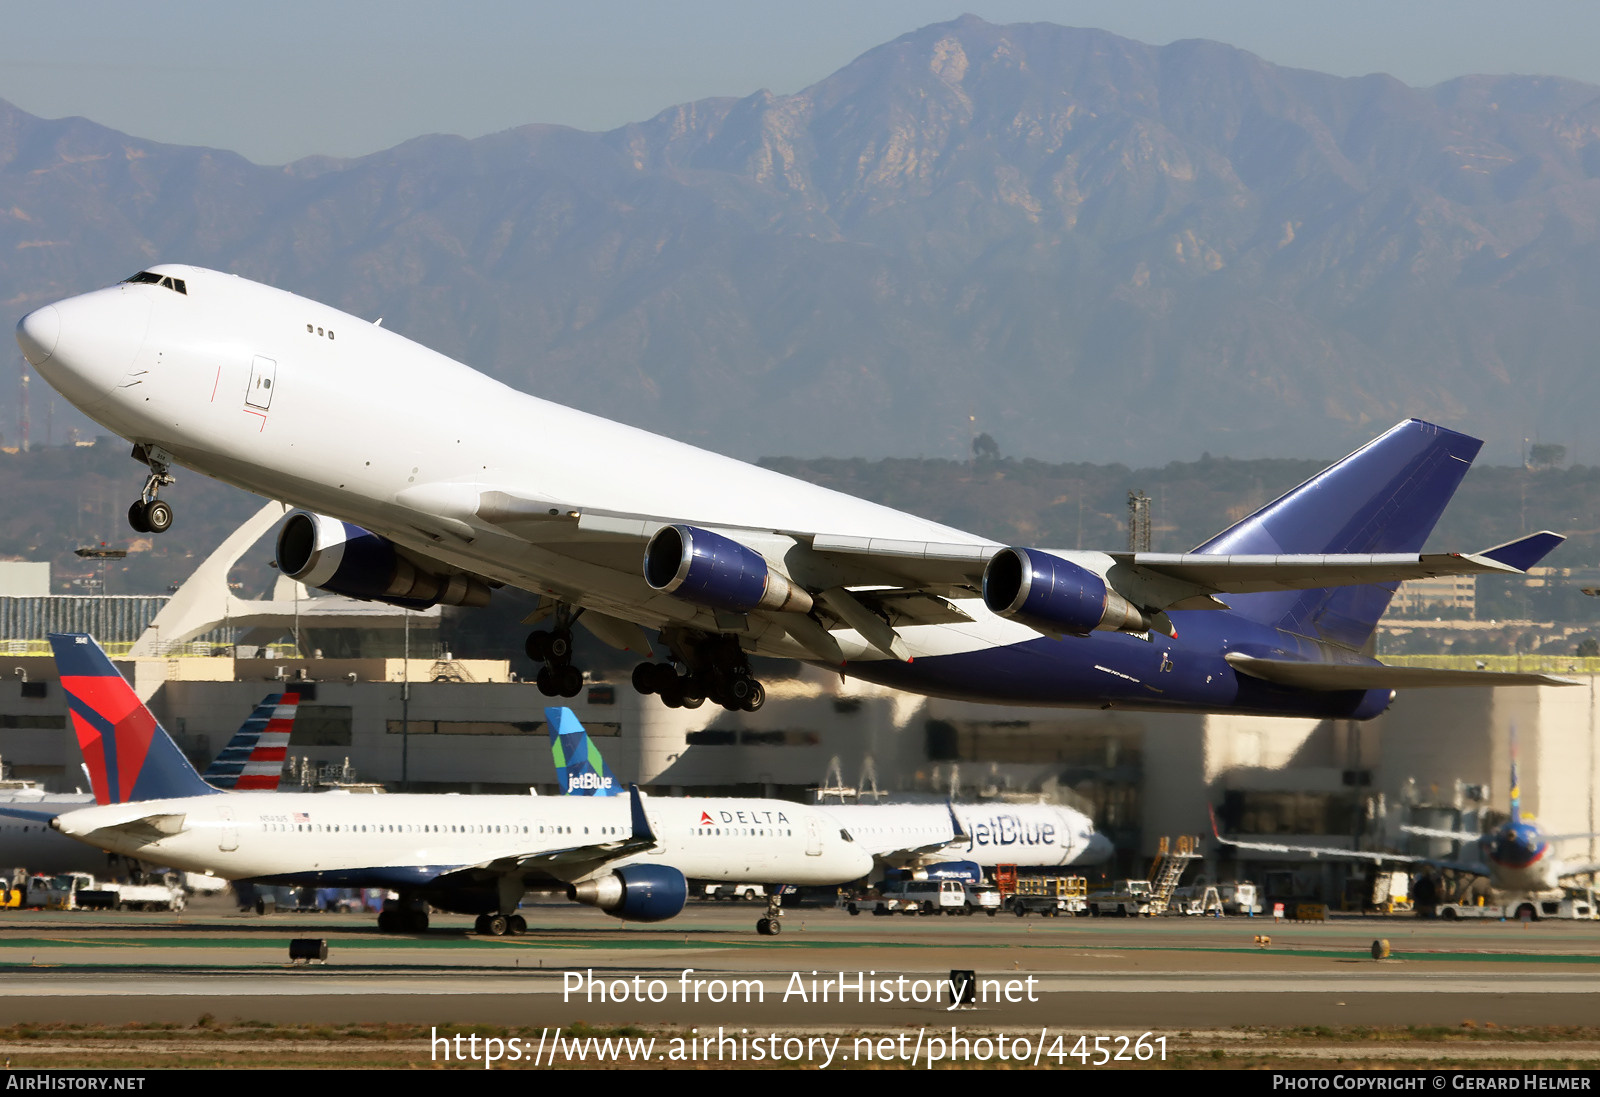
(1341, 676)
(571, 863)
(919, 575)
(902, 856)
(1317, 853)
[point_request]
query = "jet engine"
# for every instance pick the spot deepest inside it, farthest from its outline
(711, 570)
(1055, 595)
(337, 556)
(968, 872)
(635, 893)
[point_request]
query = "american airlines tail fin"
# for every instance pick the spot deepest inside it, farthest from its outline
(253, 758)
(1383, 498)
(580, 771)
(128, 754)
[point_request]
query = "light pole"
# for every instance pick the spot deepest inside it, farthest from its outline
(101, 553)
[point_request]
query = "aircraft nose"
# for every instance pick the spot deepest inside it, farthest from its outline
(37, 334)
(85, 345)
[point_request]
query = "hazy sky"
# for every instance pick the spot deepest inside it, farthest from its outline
(289, 79)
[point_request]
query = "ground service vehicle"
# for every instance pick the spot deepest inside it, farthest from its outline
(1126, 899)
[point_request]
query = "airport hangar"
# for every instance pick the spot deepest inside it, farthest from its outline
(203, 656)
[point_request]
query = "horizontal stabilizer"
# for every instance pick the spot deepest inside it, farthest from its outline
(1345, 676)
(37, 815)
(145, 830)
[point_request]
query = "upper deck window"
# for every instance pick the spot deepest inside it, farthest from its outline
(150, 278)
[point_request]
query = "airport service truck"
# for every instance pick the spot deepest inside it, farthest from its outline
(1553, 905)
(1126, 899)
(1049, 896)
(112, 896)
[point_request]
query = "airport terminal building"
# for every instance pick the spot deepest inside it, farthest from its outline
(436, 723)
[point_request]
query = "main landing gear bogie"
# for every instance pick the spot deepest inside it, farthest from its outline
(717, 673)
(553, 647)
(500, 925)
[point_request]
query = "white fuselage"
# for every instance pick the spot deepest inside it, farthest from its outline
(300, 402)
(246, 835)
(1027, 835)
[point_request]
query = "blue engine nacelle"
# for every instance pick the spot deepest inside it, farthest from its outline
(337, 556)
(968, 872)
(1055, 595)
(635, 893)
(711, 570)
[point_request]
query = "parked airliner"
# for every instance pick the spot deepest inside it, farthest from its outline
(1516, 856)
(469, 854)
(253, 759)
(424, 482)
(945, 841)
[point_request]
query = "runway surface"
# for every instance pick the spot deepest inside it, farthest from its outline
(708, 968)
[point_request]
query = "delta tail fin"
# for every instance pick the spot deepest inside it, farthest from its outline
(128, 754)
(1385, 497)
(580, 771)
(253, 758)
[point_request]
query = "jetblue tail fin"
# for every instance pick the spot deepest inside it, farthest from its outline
(128, 754)
(253, 758)
(580, 771)
(1385, 497)
(1516, 784)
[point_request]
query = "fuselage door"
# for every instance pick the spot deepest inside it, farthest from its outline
(263, 373)
(813, 836)
(228, 840)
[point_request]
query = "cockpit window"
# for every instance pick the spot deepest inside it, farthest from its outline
(845, 834)
(150, 278)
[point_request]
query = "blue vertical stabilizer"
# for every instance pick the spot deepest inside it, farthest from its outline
(1385, 497)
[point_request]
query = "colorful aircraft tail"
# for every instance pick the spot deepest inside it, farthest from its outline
(1383, 498)
(253, 758)
(1516, 783)
(128, 754)
(580, 771)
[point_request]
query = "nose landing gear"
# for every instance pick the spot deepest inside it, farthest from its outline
(149, 514)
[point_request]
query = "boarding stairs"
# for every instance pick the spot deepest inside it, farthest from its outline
(1171, 860)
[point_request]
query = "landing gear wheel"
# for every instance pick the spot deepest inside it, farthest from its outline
(537, 646)
(569, 681)
(769, 927)
(644, 678)
(495, 925)
(388, 922)
(756, 698)
(481, 925)
(158, 516)
(547, 681)
(136, 517)
(516, 925)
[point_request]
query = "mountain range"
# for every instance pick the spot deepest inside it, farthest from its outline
(1086, 247)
